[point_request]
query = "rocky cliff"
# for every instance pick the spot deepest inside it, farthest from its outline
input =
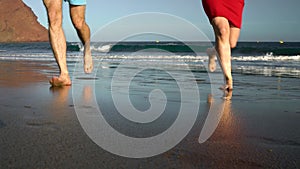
(19, 24)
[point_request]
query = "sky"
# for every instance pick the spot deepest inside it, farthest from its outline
(263, 20)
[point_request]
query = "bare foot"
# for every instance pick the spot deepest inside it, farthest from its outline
(227, 95)
(88, 61)
(229, 83)
(211, 52)
(60, 81)
(227, 87)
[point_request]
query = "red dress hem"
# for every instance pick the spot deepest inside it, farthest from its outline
(230, 9)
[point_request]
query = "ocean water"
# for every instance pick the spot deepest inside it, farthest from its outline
(143, 104)
(255, 58)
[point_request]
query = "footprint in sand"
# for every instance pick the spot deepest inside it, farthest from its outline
(2, 124)
(41, 124)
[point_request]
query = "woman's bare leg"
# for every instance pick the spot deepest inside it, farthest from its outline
(234, 36)
(222, 35)
(212, 54)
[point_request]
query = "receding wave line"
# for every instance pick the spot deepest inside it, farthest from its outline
(267, 58)
(152, 56)
(284, 66)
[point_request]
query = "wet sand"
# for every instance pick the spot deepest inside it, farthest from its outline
(39, 128)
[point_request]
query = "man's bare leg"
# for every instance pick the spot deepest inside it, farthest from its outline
(57, 41)
(222, 34)
(77, 14)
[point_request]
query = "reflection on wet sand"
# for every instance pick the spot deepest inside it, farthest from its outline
(60, 100)
(18, 74)
(61, 95)
(227, 127)
(221, 144)
(87, 94)
(218, 108)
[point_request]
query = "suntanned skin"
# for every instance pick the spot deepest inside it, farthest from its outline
(226, 37)
(58, 40)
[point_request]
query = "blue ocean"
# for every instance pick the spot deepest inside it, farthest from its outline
(255, 58)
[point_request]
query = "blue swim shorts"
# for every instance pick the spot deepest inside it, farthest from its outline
(76, 2)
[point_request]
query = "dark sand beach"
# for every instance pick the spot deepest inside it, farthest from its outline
(259, 127)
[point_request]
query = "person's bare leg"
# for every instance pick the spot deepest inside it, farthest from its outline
(77, 14)
(211, 52)
(234, 36)
(57, 41)
(222, 34)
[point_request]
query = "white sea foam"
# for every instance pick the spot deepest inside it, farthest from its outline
(104, 48)
(266, 58)
(287, 66)
(141, 56)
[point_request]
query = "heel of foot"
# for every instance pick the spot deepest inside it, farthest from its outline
(88, 64)
(226, 88)
(58, 82)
